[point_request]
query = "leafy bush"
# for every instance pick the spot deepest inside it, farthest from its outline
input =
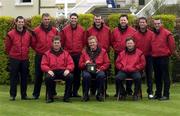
(167, 20)
(113, 20)
(86, 20)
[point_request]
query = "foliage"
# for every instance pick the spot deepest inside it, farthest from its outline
(86, 20)
(168, 21)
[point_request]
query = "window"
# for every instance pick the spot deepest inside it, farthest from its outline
(24, 2)
(0, 3)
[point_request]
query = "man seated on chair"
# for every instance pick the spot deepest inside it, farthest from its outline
(57, 64)
(129, 63)
(93, 63)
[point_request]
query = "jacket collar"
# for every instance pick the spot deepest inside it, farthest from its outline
(98, 29)
(122, 30)
(46, 29)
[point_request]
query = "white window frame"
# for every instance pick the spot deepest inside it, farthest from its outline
(0, 3)
(19, 3)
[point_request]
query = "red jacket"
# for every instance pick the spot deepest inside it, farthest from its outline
(103, 36)
(44, 39)
(143, 41)
(73, 40)
(62, 61)
(118, 38)
(130, 62)
(102, 60)
(163, 44)
(17, 44)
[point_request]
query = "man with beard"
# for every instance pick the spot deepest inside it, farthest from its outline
(163, 46)
(143, 38)
(118, 41)
(103, 34)
(44, 35)
(73, 41)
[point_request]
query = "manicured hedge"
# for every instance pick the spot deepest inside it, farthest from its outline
(86, 20)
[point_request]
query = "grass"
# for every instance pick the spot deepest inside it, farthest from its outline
(110, 107)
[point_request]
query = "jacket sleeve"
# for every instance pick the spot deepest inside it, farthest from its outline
(82, 61)
(142, 63)
(69, 63)
(106, 64)
(45, 63)
(112, 39)
(33, 42)
(118, 62)
(8, 44)
(171, 43)
(62, 36)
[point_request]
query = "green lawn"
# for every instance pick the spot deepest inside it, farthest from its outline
(110, 107)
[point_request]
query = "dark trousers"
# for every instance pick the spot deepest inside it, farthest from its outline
(77, 73)
(122, 75)
(86, 82)
(128, 83)
(148, 71)
(19, 70)
(161, 71)
(58, 74)
(38, 76)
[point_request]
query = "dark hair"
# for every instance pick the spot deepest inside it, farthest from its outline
(142, 18)
(45, 15)
(19, 17)
(129, 38)
(56, 38)
(124, 15)
(74, 14)
(97, 15)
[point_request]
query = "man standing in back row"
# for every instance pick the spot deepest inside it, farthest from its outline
(44, 35)
(118, 42)
(163, 46)
(103, 35)
(73, 41)
(143, 38)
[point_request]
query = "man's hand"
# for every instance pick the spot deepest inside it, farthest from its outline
(66, 72)
(50, 72)
(87, 62)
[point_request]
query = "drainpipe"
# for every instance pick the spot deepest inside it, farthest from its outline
(39, 7)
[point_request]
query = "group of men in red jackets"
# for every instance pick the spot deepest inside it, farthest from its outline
(64, 55)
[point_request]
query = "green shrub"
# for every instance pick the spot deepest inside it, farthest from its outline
(6, 23)
(167, 20)
(113, 20)
(86, 20)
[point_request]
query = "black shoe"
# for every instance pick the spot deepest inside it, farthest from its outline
(156, 97)
(164, 98)
(49, 100)
(35, 97)
(12, 99)
(107, 95)
(135, 98)
(76, 95)
(99, 98)
(26, 98)
(122, 97)
(115, 95)
(67, 100)
(85, 98)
